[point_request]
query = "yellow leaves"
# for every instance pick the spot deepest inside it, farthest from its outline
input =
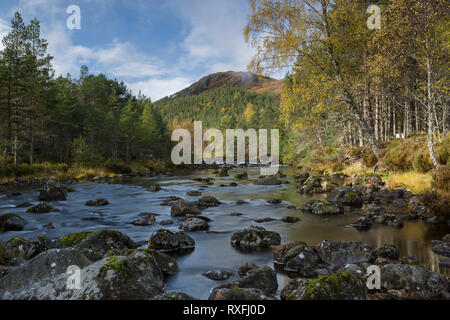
(249, 112)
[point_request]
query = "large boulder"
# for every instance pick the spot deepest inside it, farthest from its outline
(19, 249)
(264, 279)
(48, 264)
(311, 186)
(414, 282)
(133, 277)
(345, 196)
(194, 224)
(362, 223)
(341, 253)
(367, 183)
(52, 191)
(297, 257)
(11, 222)
(181, 208)
(319, 207)
(255, 237)
(163, 239)
(95, 244)
(339, 286)
(386, 251)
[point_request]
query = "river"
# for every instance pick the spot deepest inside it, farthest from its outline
(213, 249)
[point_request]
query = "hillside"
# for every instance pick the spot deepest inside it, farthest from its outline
(231, 79)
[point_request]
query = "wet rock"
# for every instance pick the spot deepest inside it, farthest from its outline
(144, 221)
(19, 249)
(241, 202)
(386, 196)
(367, 183)
(386, 251)
(100, 202)
(297, 257)
(352, 269)
(218, 275)
(290, 219)
(167, 240)
(264, 279)
(154, 188)
(389, 220)
(413, 282)
(344, 252)
(399, 205)
(42, 208)
(166, 222)
(223, 172)
(174, 296)
(274, 201)
(301, 178)
(194, 193)
(345, 196)
(319, 207)
(446, 238)
(242, 176)
(246, 268)
(445, 263)
(262, 220)
(442, 249)
(134, 277)
(52, 191)
(45, 265)
(95, 244)
(328, 186)
(208, 202)
(11, 222)
(362, 223)
(194, 224)
(312, 185)
(339, 286)
(169, 201)
(24, 205)
(181, 208)
(255, 237)
(236, 214)
(267, 181)
(240, 294)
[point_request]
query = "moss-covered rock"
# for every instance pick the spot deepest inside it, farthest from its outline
(164, 239)
(341, 253)
(255, 237)
(11, 222)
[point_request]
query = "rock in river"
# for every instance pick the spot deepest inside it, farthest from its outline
(100, 202)
(163, 239)
(297, 257)
(319, 207)
(217, 275)
(181, 208)
(42, 208)
(11, 222)
(52, 191)
(442, 249)
(345, 196)
(194, 224)
(267, 181)
(255, 237)
(207, 202)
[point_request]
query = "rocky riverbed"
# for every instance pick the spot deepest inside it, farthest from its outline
(226, 234)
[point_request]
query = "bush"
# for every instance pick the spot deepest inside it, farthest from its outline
(117, 167)
(437, 204)
(337, 167)
(369, 158)
(441, 179)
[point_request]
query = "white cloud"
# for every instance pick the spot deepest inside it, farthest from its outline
(4, 29)
(159, 88)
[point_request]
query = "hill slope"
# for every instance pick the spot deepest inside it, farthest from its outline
(230, 79)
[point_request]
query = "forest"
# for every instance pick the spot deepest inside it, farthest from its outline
(86, 121)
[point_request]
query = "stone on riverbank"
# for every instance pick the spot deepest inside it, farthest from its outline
(341, 253)
(297, 257)
(319, 207)
(11, 222)
(345, 196)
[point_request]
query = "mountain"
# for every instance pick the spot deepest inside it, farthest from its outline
(230, 79)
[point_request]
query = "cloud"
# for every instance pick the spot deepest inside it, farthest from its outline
(160, 88)
(4, 29)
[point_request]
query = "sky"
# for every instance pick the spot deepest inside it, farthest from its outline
(156, 47)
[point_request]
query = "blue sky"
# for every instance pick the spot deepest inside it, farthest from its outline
(158, 47)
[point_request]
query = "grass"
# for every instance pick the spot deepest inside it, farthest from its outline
(417, 182)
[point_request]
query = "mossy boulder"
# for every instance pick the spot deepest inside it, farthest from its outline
(386, 251)
(255, 237)
(11, 222)
(223, 172)
(442, 249)
(236, 293)
(341, 253)
(339, 286)
(19, 249)
(42, 207)
(345, 196)
(297, 257)
(267, 181)
(208, 202)
(133, 277)
(322, 208)
(264, 279)
(414, 282)
(45, 265)
(194, 224)
(95, 244)
(163, 239)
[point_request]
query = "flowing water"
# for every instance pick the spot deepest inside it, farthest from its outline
(213, 249)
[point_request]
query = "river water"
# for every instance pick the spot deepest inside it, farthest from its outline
(213, 249)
